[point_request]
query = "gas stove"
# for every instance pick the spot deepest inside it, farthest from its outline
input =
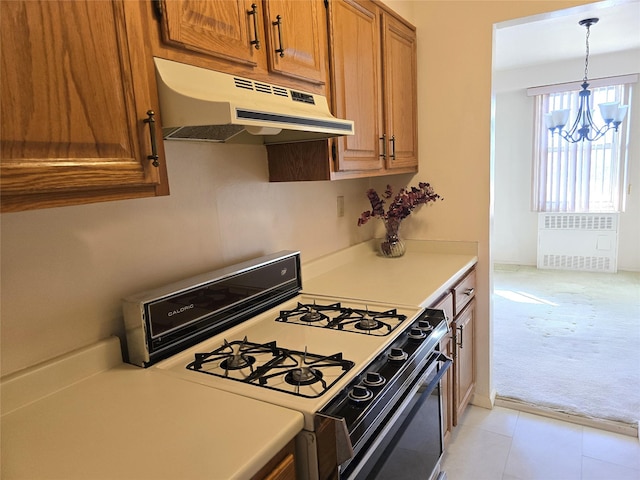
(251, 330)
(296, 365)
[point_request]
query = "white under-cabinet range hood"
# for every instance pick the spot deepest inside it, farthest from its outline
(202, 104)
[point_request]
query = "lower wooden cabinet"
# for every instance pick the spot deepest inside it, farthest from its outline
(281, 467)
(285, 470)
(458, 384)
(464, 363)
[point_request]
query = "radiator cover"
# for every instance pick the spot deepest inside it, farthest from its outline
(578, 241)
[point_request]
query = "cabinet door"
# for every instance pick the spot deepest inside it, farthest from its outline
(400, 87)
(75, 94)
(296, 39)
(286, 470)
(281, 467)
(464, 365)
(354, 32)
(223, 29)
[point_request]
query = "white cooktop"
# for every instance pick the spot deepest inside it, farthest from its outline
(356, 347)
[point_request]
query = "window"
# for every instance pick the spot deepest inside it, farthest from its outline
(583, 176)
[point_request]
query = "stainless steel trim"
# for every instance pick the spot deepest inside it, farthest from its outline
(134, 305)
(344, 448)
(204, 278)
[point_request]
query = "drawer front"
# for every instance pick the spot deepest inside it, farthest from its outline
(464, 291)
(446, 304)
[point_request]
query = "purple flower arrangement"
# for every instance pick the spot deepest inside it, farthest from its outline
(406, 200)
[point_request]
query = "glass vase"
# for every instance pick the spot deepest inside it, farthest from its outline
(392, 246)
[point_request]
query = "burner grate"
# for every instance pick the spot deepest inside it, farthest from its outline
(267, 365)
(337, 317)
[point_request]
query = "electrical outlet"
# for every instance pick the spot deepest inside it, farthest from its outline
(340, 205)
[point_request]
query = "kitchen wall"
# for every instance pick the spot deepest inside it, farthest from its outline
(64, 270)
(515, 225)
(455, 42)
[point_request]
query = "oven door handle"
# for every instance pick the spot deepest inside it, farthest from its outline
(441, 357)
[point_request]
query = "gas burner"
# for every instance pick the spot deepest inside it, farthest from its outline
(309, 313)
(303, 376)
(304, 372)
(368, 322)
(238, 355)
(237, 359)
(267, 365)
(312, 316)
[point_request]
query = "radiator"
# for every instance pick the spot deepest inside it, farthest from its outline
(578, 241)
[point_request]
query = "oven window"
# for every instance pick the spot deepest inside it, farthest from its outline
(417, 446)
(412, 449)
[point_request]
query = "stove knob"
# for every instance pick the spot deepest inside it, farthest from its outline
(417, 334)
(374, 379)
(397, 355)
(424, 325)
(360, 393)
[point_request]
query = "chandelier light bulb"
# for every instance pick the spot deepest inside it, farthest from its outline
(583, 128)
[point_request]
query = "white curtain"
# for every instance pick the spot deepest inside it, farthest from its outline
(583, 176)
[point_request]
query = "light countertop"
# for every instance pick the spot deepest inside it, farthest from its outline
(417, 278)
(87, 415)
(131, 423)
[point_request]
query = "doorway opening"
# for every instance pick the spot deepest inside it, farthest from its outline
(563, 341)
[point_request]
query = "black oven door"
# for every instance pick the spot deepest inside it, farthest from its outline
(409, 443)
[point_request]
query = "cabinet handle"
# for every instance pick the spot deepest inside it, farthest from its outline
(152, 133)
(393, 147)
(278, 23)
(469, 292)
(461, 330)
(384, 146)
(254, 11)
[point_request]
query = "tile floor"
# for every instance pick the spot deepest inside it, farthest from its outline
(504, 444)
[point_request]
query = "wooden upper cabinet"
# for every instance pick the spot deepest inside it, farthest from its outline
(75, 94)
(372, 58)
(296, 39)
(374, 75)
(230, 29)
(354, 32)
(284, 37)
(400, 87)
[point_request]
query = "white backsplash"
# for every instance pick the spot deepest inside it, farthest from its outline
(65, 270)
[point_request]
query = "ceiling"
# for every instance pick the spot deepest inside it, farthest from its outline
(557, 36)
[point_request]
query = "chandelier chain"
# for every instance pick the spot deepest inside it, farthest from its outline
(586, 60)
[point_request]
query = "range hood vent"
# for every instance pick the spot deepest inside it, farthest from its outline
(201, 104)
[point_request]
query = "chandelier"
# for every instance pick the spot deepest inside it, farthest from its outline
(584, 128)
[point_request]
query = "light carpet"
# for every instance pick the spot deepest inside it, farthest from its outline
(569, 341)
